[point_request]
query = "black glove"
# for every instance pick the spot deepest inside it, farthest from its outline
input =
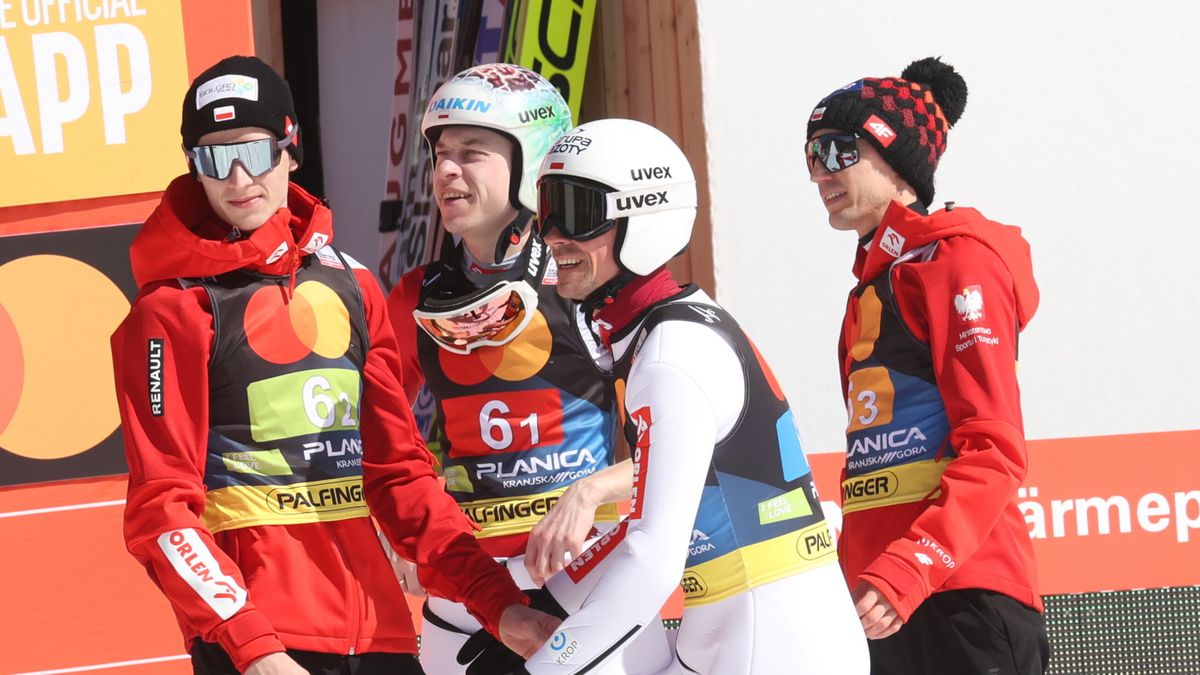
(540, 599)
(484, 654)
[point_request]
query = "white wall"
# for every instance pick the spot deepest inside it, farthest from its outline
(1081, 127)
(357, 42)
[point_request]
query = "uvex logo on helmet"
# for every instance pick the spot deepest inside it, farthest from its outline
(656, 172)
(642, 200)
(543, 113)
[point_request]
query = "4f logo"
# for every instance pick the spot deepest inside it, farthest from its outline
(880, 130)
(707, 313)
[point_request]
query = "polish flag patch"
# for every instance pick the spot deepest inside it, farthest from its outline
(224, 113)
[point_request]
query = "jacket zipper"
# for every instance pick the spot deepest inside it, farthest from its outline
(354, 598)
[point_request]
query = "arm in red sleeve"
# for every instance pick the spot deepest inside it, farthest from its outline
(420, 519)
(166, 339)
(400, 305)
(974, 361)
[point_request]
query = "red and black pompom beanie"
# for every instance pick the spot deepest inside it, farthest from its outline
(906, 118)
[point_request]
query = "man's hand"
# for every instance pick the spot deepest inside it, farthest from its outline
(278, 663)
(524, 629)
(406, 571)
(560, 533)
(879, 619)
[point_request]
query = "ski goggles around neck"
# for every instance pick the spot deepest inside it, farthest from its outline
(583, 209)
(256, 157)
(835, 151)
(491, 316)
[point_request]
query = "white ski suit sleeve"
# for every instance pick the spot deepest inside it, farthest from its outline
(687, 387)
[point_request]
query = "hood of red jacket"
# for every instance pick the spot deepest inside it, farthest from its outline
(903, 230)
(183, 238)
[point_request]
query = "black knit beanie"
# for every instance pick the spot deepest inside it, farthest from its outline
(906, 118)
(240, 91)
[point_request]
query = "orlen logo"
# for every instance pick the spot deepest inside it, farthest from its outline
(892, 242)
(581, 566)
(880, 130)
(316, 242)
(195, 564)
(693, 585)
(641, 421)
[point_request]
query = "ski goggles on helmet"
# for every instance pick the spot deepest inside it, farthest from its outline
(491, 316)
(256, 157)
(835, 151)
(576, 207)
(583, 209)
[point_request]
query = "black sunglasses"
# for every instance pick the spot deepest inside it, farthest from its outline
(835, 151)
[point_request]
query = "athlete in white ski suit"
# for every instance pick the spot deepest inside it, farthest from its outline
(723, 497)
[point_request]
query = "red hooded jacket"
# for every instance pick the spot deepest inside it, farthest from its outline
(326, 586)
(973, 515)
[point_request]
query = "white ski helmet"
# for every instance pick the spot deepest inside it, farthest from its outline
(647, 185)
(512, 100)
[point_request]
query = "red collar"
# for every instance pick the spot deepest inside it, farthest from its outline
(632, 300)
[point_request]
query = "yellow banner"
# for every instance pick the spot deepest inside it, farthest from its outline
(757, 564)
(90, 95)
(514, 515)
(312, 502)
(902, 484)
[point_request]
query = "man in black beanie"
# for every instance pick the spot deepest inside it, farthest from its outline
(261, 412)
(933, 545)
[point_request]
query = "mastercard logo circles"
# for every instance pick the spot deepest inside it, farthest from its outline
(284, 330)
(518, 360)
(56, 387)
